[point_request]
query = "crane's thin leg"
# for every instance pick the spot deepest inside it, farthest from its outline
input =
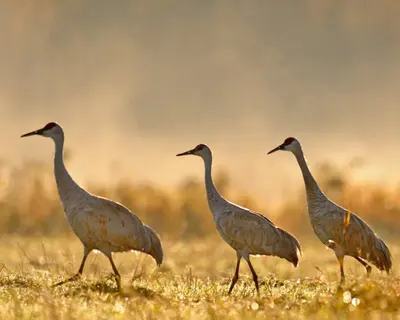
(116, 273)
(236, 275)
(342, 277)
(253, 272)
(365, 264)
(86, 252)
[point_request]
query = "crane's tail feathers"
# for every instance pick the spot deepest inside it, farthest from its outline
(291, 250)
(386, 257)
(155, 247)
(379, 255)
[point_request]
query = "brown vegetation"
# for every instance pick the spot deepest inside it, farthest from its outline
(29, 202)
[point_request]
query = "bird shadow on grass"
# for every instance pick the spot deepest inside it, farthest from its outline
(18, 282)
(140, 291)
(82, 286)
(125, 291)
(107, 285)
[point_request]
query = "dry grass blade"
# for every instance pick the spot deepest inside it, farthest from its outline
(192, 288)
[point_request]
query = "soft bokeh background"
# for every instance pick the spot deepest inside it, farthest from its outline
(135, 82)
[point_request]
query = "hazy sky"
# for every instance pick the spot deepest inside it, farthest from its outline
(135, 82)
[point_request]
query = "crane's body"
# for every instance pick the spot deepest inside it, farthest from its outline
(250, 233)
(338, 228)
(92, 223)
(99, 223)
(247, 232)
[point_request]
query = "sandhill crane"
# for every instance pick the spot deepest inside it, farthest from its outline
(338, 228)
(99, 223)
(247, 232)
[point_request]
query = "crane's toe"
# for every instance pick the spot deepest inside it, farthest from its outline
(118, 280)
(234, 280)
(255, 279)
(74, 278)
(369, 269)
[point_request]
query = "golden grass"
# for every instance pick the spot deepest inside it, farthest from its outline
(38, 249)
(191, 284)
(29, 202)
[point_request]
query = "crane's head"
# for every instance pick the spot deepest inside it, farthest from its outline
(50, 130)
(290, 144)
(155, 249)
(200, 150)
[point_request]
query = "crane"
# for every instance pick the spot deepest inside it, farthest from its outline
(99, 223)
(247, 232)
(339, 229)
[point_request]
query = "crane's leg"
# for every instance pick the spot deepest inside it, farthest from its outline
(86, 252)
(340, 259)
(365, 264)
(116, 273)
(339, 255)
(253, 272)
(236, 275)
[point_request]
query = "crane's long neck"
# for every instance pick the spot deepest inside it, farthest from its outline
(314, 193)
(213, 196)
(68, 189)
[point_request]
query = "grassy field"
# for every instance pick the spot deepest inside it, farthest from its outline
(191, 284)
(37, 249)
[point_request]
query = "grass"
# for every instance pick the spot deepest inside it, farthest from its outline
(29, 202)
(191, 284)
(193, 281)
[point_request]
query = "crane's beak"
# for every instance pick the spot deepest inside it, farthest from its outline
(36, 132)
(185, 153)
(277, 149)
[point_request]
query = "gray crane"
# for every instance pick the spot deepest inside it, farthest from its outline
(247, 232)
(99, 223)
(339, 229)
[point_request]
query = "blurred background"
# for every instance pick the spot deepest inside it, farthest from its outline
(135, 82)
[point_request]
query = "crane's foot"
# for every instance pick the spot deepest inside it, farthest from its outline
(234, 280)
(118, 280)
(230, 290)
(369, 269)
(74, 278)
(255, 279)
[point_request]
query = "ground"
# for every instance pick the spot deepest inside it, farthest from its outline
(191, 284)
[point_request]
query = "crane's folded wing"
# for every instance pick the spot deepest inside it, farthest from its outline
(117, 225)
(250, 231)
